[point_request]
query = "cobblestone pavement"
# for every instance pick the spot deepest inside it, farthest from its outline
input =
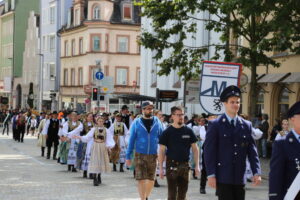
(24, 174)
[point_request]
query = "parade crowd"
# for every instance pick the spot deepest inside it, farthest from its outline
(223, 151)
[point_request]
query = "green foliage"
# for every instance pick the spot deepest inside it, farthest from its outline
(266, 26)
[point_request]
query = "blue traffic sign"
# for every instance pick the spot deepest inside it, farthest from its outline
(99, 75)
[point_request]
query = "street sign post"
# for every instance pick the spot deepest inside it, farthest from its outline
(99, 76)
(215, 77)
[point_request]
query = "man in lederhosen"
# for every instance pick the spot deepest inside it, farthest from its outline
(52, 128)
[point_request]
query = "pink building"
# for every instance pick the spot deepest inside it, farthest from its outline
(99, 30)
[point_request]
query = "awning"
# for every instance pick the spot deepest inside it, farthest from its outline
(273, 78)
(135, 97)
(293, 78)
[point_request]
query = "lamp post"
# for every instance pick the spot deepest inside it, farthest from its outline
(41, 87)
(11, 82)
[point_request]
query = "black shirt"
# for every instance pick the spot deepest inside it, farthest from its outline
(148, 123)
(178, 142)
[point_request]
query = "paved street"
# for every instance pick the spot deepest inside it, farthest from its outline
(26, 175)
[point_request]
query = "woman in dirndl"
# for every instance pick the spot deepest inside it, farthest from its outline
(103, 142)
(72, 128)
(84, 149)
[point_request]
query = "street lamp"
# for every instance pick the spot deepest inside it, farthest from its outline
(11, 83)
(41, 87)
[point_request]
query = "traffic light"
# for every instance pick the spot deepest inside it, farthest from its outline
(95, 94)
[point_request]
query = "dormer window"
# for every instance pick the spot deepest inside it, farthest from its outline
(127, 11)
(96, 12)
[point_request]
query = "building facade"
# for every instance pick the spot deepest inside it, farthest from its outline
(105, 31)
(23, 8)
(151, 81)
(54, 14)
(279, 88)
(6, 48)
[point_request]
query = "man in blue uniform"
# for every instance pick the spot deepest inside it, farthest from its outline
(285, 161)
(227, 145)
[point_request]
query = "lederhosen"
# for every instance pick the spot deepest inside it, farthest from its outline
(53, 133)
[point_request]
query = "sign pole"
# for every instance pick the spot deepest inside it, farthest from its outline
(98, 63)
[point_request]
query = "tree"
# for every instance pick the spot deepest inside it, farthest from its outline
(258, 22)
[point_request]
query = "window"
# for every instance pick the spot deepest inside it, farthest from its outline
(81, 46)
(65, 77)
(153, 71)
(66, 48)
(52, 42)
(44, 43)
(127, 12)
(123, 44)
(96, 43)
(73, 48)
(80, 76)
(260, 102)
(138, 45)
(96, 12)
(138, 77)
(122, 76)
(72, 76)
(283, 103)
(107, 42)
(77, 17)
(52, 15)
(52, 71)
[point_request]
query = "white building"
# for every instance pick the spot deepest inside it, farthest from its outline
(54, 14)
(173, 81)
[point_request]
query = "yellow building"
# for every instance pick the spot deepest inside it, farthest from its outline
(279, 88)
(99, 30)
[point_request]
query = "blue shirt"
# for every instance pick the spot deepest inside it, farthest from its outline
(229, 119)
(297, 136)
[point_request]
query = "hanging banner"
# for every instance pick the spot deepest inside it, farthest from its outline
(215, 77)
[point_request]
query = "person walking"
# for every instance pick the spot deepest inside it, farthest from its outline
(144, 134)
(178, 139)
(228, 143)
(51, 130)
(6, 123)
(102, 142)
(285, 160)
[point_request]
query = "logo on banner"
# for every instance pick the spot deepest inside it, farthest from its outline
(216, 76)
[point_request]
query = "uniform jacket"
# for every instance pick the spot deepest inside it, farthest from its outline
(283, 166)
(226, 149)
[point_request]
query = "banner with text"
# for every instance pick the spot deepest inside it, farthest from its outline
(215, 77)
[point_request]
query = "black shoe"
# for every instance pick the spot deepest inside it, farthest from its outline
(202, 191)
(91, 176)
(58, 160)
(114, 167)
(121, 167)
(194, 175)
(249, 180)
(156, 184)
(99, 179)
(48, 156)
(95, 180)
(69, 167)
(74, 169)
(84, 174)
(54, 158)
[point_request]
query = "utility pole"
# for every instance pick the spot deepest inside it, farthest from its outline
(41, 87)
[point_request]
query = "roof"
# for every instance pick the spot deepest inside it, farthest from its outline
(293, 78)
(273, 78)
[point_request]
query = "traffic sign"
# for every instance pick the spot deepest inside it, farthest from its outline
(99, 75)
